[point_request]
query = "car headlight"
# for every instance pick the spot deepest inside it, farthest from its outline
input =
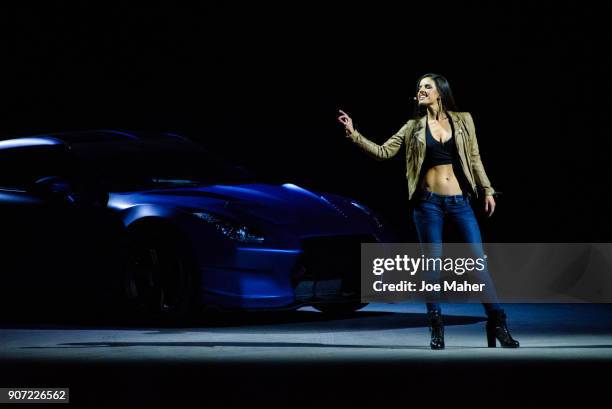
(231, 230)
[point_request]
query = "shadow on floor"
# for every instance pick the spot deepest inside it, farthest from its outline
(295, 321)
(283, 345)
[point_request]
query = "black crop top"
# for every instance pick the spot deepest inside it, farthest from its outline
(438, 153)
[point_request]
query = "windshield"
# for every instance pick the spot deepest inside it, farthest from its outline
(126, 166)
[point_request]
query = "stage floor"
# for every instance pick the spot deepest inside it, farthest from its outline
(302, 358)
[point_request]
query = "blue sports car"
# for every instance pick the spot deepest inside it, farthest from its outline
(155, 224)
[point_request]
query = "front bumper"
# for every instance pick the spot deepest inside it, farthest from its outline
(324, 269)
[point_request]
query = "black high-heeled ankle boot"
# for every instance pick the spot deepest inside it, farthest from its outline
(437, 330)
(497, 329)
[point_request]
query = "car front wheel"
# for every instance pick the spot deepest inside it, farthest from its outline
(159, 282)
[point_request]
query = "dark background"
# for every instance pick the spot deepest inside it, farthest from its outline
(262, 84)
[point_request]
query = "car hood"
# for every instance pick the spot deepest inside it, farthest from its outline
(276, 204)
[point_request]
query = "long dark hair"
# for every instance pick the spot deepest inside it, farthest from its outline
(446, 95)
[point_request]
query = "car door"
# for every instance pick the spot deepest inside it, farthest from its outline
(55, 248)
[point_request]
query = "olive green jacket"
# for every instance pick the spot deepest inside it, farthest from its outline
(413, 135)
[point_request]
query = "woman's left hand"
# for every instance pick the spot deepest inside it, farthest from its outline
(489, 205)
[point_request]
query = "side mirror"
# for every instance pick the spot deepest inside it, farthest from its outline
(59, 189)
(54, 188)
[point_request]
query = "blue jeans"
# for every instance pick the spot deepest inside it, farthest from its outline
(430, 213)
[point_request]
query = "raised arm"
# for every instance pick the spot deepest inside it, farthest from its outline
(379, 152)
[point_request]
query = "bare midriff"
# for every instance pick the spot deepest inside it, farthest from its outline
(441, 179)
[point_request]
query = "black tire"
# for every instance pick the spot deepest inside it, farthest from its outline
(340, 308)
(160, 281)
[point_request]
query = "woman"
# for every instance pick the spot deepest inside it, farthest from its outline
(444, 172)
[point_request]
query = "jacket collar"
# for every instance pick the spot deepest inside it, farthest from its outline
(422, 122)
